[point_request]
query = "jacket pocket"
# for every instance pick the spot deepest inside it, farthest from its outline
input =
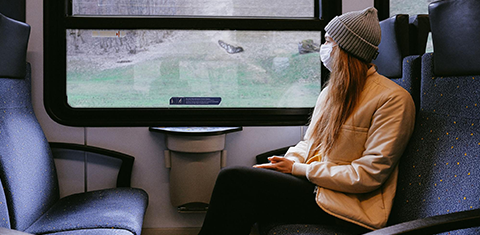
(350, 144)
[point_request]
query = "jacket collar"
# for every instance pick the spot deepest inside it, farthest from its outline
(371, 70)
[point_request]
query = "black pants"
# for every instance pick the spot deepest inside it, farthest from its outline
(244, 195)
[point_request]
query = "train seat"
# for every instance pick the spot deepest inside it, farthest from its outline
(394, 46)
(30, 200)
(439, 171)
(397, 60)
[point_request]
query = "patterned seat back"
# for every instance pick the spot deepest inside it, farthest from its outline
(27, 169)
(393, 47)
(440, 169)
(394, 60)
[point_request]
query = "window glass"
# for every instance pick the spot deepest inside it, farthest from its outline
(192, 68)
(412, 7)
(274, 8)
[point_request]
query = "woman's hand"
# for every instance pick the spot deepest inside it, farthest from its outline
(279, 164)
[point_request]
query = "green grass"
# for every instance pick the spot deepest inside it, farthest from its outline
(256, 83)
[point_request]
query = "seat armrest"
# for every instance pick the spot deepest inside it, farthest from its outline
(263, 157)
(125, 171)
(434, 224)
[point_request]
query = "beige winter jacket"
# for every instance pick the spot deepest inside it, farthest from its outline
(357, 180)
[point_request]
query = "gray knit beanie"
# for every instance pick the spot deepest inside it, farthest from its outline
(357, 32)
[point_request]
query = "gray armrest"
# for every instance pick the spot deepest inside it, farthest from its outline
(125, 172)
(434, 224)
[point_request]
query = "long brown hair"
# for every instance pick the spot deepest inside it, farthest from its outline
(346, 82)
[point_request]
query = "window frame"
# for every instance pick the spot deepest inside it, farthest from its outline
(383, 9)
(58, 18)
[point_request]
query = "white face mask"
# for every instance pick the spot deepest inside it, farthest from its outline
(326, 55)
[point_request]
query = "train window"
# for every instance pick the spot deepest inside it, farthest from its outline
(275, 8)
(412, 7)
(160, 68)
(189, 62)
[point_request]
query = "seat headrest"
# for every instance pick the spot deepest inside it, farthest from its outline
(393, 47)
(14, 9)
(455, 30)
(419, 30)
(13, 47)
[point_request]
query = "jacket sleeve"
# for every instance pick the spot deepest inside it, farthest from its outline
(391, 127)
(298, 153)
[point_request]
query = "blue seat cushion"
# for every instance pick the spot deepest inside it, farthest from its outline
(310, 229)
(119, 208)
(100, 231)
(410, 80)
(456, 36)
(13, 53)
(393, 46)
(439, 170)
